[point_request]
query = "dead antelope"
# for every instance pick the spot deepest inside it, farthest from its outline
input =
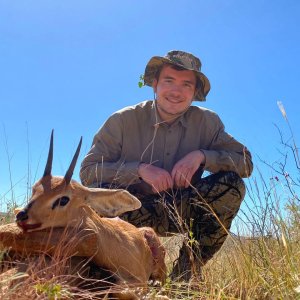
(134, 255)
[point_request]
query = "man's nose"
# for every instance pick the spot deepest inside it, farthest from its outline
(176, 89)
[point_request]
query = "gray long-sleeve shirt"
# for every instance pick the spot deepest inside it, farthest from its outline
(135, 134)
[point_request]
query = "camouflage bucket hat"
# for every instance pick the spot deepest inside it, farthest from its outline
(182, 59)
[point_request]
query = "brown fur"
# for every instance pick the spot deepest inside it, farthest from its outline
(133, 255)
(159, 270)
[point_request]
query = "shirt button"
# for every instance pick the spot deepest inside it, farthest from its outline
(168, 153)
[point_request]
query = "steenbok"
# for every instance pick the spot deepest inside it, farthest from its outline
(134, 255)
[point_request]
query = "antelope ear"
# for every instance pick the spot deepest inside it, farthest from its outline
(111, 203)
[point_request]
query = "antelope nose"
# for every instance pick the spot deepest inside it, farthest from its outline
(21, 216)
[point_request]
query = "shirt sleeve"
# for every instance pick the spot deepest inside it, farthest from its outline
(227, 154)
(103, 163)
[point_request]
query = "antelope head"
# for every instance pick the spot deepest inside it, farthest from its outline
(55, 200)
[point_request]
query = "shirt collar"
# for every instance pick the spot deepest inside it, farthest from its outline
(154, 115)
(155, 118)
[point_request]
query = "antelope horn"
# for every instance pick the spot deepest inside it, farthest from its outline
(50, 157)
(70, 171)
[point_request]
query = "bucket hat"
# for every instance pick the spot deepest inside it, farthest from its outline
(182, 59)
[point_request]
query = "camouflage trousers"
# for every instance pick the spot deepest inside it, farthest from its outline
(204, 211)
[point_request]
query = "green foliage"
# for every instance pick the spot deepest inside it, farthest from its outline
(192, 242)
(53, 291)
(141, 81)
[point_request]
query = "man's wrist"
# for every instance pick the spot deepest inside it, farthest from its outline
(140, 167)
(203, 159)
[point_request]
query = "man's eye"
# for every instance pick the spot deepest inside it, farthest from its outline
(188, 85)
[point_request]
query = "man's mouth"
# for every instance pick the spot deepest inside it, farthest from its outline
(172, 100)
(23, 225)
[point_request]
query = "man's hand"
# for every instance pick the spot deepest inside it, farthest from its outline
(158, 178)
(185, 168)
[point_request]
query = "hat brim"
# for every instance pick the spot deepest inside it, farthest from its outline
(157, 61)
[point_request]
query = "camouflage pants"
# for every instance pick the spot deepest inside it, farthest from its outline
(205, 210)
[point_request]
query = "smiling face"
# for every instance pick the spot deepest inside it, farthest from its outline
(175, 92)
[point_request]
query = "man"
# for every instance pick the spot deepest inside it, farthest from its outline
(158, 151)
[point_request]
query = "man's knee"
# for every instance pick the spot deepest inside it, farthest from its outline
(223, 182)
(222, 193)
(235, 181)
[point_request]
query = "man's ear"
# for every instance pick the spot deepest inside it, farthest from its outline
(154, 85)
(195, 93)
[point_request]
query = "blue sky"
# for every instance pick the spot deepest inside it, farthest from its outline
(68, 65)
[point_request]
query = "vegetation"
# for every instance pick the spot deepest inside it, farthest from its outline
(260, 261)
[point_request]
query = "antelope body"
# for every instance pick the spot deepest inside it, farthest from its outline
(134, 254)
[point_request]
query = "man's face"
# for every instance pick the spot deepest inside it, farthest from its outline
(175, 91)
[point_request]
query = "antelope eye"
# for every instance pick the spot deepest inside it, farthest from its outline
(64, 200)
(60, 201)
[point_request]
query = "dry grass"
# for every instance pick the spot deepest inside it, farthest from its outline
(262, 261)
(265, 267)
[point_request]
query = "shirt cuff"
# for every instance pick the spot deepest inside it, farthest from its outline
(131, 174)
(210, 159)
